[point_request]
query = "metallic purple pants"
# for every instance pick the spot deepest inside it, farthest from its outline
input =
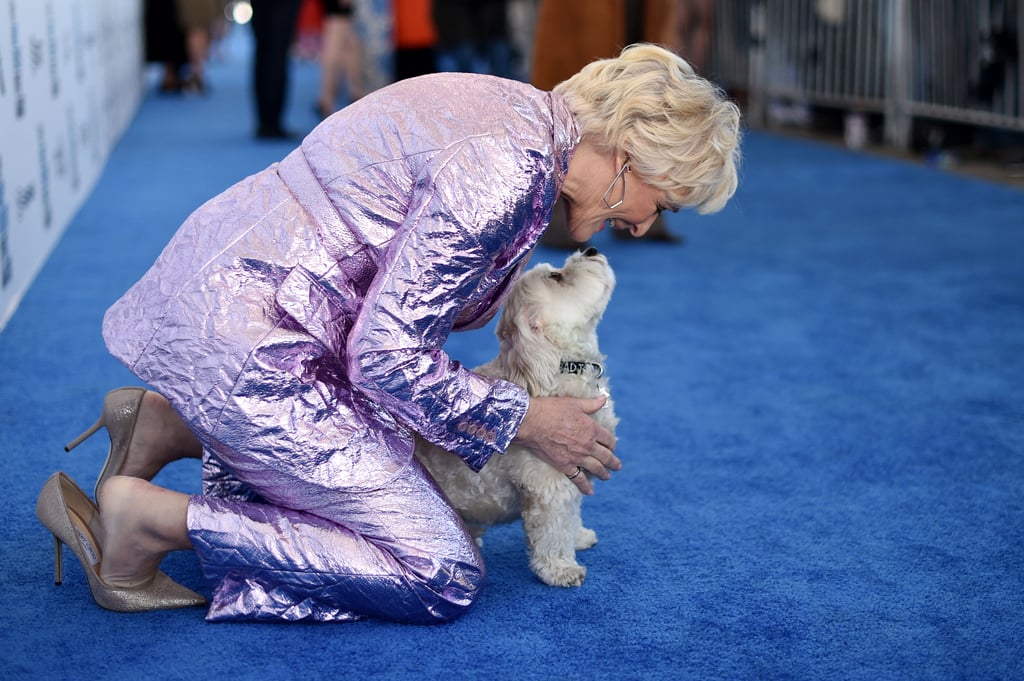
(399, 552)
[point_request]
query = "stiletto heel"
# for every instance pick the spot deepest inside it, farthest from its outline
(73, 519)
(120, 413)
(58, 561)
(84, 436)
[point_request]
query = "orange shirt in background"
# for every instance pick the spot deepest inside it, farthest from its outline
(414, 24)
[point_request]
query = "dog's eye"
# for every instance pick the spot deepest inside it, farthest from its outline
(557, 276)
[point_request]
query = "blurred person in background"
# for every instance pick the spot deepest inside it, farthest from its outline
(341, 56)
(473, 36)
(694, 25)
(198, 19)
(273, 28)
(165, 42)
(414, 38)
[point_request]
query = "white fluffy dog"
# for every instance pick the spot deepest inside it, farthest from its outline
(548, 344)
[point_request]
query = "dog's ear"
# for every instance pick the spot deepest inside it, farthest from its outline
(529, 358)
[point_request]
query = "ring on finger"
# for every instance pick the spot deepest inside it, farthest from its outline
(579, 469)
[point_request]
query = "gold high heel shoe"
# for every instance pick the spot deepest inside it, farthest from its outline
(119, 415)
(73, 519)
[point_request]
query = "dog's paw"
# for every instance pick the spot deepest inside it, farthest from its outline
(560, 573)
(585, 538)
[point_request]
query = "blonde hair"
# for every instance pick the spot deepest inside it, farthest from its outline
(679, 131)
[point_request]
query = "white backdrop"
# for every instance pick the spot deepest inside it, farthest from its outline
(71, 78)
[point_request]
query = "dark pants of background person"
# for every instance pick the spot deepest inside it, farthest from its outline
(414, 61)
(273, 26)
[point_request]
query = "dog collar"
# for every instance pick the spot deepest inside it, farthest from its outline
(575, 367)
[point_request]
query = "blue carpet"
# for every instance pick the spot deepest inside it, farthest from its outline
(822, 402)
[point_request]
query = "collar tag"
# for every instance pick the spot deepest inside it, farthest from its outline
(578, 367)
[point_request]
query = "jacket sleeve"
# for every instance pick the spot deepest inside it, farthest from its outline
(461, 217)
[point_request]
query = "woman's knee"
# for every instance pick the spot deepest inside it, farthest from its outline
(448, 589)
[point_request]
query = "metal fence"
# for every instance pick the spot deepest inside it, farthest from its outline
(952, 60)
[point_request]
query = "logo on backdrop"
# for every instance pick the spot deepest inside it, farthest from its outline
(24, 196)
(19, 90)
(6, 268)
(36, 55)
(3, 81)
(51, 43)
(72, 149)
(77, 43)
(44, 177)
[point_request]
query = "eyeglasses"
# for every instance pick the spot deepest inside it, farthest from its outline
(624, 169)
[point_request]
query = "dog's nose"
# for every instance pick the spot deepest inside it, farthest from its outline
(590, 252)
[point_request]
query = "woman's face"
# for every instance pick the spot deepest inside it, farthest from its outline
(587, 213)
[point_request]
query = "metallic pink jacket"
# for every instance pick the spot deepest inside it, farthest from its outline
(401, 218)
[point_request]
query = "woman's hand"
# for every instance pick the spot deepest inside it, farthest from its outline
(560, 431)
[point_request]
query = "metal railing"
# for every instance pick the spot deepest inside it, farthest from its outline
(952, 60)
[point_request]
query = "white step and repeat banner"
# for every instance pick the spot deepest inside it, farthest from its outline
(71, 79)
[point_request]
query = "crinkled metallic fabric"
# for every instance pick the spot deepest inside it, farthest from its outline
(271, 563)
(297, 323)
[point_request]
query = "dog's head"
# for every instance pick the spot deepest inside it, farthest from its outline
(552, 314)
